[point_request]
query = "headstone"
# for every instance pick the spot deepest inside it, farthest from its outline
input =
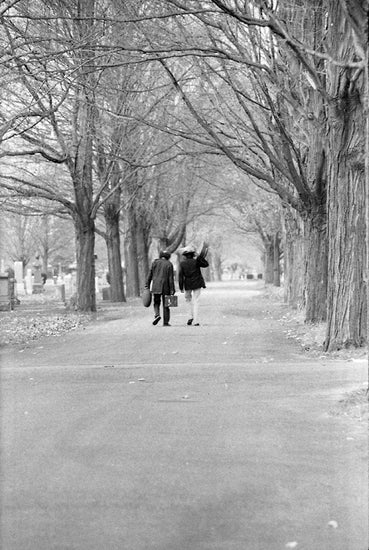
(37, 286)
(5, 299)
(28, 281)
(97, 290)
(74, 282)
(68, 284)
(60, 292)
(18, 275)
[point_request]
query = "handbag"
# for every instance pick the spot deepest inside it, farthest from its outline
(146, 297)
(171, 301)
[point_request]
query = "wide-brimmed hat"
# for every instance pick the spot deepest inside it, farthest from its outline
(189, 249)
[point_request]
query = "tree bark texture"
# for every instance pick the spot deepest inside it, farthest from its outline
(80, 163)
(308, 23)
(294, 259)
(114, 255)
(131, 257)
(85, 250)
(268, 262)
(142, 251)
(316, 267)
(347, 295)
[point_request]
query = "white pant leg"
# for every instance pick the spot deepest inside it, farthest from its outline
(195, 300)
(188, 298)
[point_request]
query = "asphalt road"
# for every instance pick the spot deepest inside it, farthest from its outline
(220, 437)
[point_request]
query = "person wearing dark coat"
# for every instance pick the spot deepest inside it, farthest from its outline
(161, 276)
(191, 282)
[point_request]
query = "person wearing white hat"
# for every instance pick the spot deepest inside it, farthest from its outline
(191, 281)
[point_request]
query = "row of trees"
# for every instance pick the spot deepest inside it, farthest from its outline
(134, 103)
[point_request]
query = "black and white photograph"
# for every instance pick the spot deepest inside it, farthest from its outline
(184, 234)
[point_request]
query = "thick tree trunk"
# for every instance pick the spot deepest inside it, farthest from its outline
(269, 262)
(114, 257)
(142, 253)
(85, 250)
(316, 267)
(294, 260)
(347, 304)
(45, 260)
(80, 164)
(131, 257)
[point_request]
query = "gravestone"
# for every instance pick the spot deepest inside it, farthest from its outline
(18, 275)
(28, 281)
(5, 298)
(68, 285)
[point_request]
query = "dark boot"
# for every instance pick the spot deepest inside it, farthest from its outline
(166, 315)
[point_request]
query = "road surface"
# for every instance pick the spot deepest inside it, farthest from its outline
(226, 436)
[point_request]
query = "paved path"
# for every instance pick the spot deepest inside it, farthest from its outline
(219, 437)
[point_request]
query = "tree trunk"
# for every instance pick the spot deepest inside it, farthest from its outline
(114, 257)
(80, 163)
(316, 267)
(45, 261)
(347, 305)
(85, 249)
(276, 260)
(142, 253)
(45, 242)
(294, 260)
(131, 256)
(268, 262)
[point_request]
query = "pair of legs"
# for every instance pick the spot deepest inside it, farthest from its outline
(160, 298)
(192, 298)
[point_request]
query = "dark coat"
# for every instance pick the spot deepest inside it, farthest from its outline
(189, 276)
(162, 276)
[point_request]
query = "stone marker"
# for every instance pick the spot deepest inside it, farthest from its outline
(28, 281)
(19, 282)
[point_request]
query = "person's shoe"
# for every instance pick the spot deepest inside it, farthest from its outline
(166, 325)
(189, 322)
(156, 320)
(196, 324)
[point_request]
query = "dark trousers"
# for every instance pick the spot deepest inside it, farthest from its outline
(166, 310)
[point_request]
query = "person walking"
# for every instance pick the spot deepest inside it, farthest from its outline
(191, 281)
(162, 277)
